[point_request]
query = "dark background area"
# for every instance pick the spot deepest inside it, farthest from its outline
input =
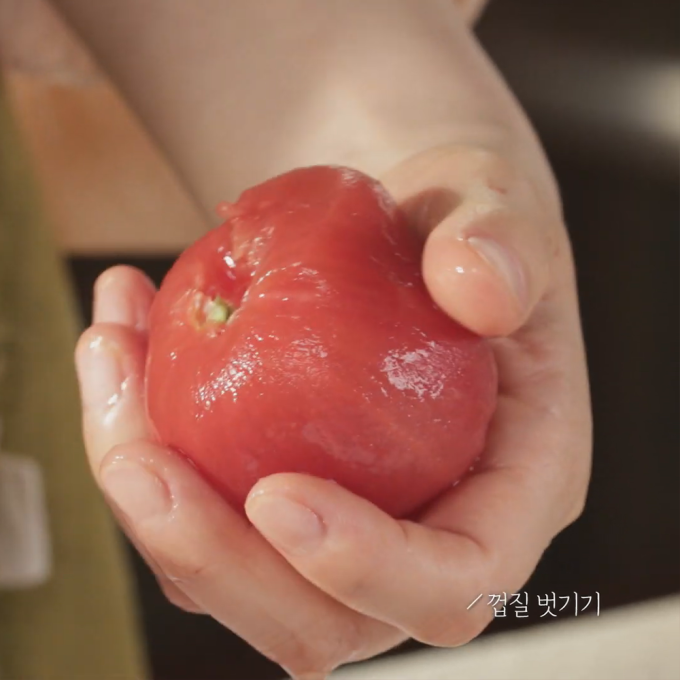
(594, 78)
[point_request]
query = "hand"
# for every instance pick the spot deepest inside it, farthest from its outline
(322, 577)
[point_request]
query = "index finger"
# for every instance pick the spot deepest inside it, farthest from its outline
(485, 536)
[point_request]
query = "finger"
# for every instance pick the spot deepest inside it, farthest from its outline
(216, 558)
(174, 595)
(398, 572)
(484, 537)
(123, 295)
(492, 234)
(110, 362)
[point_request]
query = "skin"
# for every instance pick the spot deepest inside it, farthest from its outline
(320, 577)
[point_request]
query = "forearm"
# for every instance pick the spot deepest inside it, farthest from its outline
(471, 9)
(235, 93)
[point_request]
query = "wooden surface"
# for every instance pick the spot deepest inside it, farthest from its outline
(106, 187)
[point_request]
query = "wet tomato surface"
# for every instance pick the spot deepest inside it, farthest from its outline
(299, 336)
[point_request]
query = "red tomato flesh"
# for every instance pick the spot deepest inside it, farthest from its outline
(299, 337)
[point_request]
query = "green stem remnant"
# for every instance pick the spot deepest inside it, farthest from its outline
(218, 310)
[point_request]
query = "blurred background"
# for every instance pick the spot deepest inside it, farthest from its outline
(600, 81)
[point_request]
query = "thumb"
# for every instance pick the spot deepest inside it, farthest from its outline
(492, 235)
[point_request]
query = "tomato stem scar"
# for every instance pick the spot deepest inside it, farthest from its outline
(217, 310)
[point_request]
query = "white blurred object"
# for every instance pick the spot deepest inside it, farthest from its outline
(34, 39)
(25, 551)
(637, 642)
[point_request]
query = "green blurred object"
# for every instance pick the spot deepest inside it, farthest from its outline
(82, 624)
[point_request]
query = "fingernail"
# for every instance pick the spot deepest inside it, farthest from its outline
(505, 263)
(136, 491)
(115, 300)
(100, 373)
(288, 525)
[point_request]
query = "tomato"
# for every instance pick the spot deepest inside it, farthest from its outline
(299, 337)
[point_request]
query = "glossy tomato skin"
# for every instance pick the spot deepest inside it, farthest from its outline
(336, 362)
